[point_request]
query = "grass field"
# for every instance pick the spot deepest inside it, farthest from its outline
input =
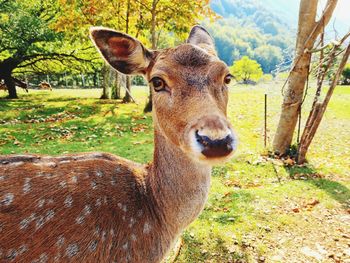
(258, 210)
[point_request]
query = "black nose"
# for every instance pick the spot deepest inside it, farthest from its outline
(215, 148)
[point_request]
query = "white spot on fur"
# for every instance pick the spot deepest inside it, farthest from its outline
(7, 199)
(125, 246)
(50, 214)
(132, 222)
(93, 245)
(63, 184)
(93, 185)
(2, 177)
(147, 228)
(98, 202)
(79, 220)
(103, 236)
(113, 180)
(87, 210)
(11, 254)
(27, 186)
(97, 230)
(133, 237)
(99, 174)
(57, 257)
(60, 241)
(25, 222)
(125, 208)
(72, 250)
(39, 222)
(68, 201)
(74, 179)
(42, 259)
(41, 202)
(50, 201)
(22, 249)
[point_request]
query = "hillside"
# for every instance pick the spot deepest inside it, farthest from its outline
(254, 28)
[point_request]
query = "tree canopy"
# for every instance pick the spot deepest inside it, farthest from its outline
(29, 43)
(246, 69)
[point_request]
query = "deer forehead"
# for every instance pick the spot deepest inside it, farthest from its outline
(188, 64)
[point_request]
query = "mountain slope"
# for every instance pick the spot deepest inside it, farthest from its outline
(249, 28)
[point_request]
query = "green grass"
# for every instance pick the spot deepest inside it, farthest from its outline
(252, 203)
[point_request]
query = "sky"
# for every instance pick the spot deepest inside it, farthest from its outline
(341, 15)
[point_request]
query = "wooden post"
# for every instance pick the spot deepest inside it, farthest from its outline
(265, 123)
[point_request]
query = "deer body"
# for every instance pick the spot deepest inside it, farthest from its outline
(45, 85)
(97, 207)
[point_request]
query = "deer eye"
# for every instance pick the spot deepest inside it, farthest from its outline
(228, 79)
(157, 84)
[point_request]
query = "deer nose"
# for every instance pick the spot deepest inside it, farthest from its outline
(215, 148)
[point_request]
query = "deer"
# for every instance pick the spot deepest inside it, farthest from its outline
(98, 207)
(45, 85)
(3, 86)
(17, 82)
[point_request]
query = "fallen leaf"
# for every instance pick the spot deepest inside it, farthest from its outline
(296, 210)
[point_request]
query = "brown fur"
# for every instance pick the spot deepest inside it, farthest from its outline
(101, 208)
(45, 85)
(3, 86)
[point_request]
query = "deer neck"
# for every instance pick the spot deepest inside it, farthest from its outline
(179, 185)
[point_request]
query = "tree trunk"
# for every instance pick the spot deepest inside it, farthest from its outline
(105, 84)
(127, 97)
(148, 107)
(11, 87)
(115, 94)
(308, 31)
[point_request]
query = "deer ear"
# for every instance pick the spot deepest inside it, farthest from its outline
(199, 36)
(121, 51)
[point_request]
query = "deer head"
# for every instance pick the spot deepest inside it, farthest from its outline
(190, 90)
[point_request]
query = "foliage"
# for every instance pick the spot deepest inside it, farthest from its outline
(346, 75)
(246, 70)
(268, 57)
(27, 36)
(29, 43)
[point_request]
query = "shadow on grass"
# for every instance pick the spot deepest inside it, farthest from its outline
(309, 174)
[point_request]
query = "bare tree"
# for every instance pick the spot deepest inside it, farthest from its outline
(308, 31)
(319, 107)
